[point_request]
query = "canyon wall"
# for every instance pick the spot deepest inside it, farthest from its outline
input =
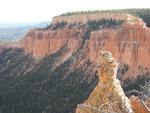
(68, 72)
(128, 42)
(45, 42)
(130, 46)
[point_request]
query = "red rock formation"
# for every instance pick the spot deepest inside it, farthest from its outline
(108, 95)
(129, 43)
(138, 105)
(45, 42)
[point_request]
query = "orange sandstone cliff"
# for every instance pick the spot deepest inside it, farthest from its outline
(128, 42)
(79, 38)
(45, 42)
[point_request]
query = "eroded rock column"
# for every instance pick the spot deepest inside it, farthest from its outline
(108, 96)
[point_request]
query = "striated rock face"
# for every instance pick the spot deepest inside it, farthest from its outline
(45, 42)
(130, 46)
(129, 42)
(65, 75)
(108, 95)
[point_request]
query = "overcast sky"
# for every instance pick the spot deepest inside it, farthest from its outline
(43, 10)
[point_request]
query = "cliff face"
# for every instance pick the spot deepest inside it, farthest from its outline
(45, 42)
(130, 46)
(128, 42)
(66, 73)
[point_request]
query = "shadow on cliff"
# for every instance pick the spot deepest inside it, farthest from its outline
(42, 89)
(65, 86)
(28, 86)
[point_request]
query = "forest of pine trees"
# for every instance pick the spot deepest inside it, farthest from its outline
(142, 13)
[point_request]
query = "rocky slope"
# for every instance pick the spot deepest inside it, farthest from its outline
(65, 73)
(128, 40)
(30, 86)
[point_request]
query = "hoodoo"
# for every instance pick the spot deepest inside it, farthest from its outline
(108, 96)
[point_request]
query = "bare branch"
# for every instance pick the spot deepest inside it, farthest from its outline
(145, 105)
(90, 107)
(103, 105)
(142, 87)
(134, 91)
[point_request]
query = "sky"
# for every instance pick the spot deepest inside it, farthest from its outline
(25, 11)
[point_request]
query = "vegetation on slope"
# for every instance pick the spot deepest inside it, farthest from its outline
(142, 13)
(104, 23)
(41, 87)
(136, 84)
(41, 90)
(91, 25)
